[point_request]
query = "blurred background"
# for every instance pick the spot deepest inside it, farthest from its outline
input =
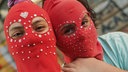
(112, 15)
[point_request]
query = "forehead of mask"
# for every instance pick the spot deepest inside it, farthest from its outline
(29, 9)
(66, 11)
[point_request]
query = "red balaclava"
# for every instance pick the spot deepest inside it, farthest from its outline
(32, 52)
(81, 44)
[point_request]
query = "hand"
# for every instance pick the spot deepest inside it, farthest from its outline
(89, 65)
(81, 65)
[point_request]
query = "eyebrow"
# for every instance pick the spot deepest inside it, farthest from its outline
(65, 26)
(17, 27)
(36, 22)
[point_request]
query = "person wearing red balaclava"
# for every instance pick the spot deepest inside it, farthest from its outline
(32, 49)
(77, 38)
(75, 33)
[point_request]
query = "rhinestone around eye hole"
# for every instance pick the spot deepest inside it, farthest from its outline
(34, 44)
(35, 14)
(19, 20)
(15, 45)
(28, 57)
(48, 21)
(49, 39)
(37, 56)
(81, 26)
(24, 23)
(6, 26)
(46, 53)
(29, 52)
(22, 46)
(73, 21)
(23, 59)
(22, 52)
(26, 33)
(54, 53)
(67, 22)
(29, 26)
(31, 16)
(80, 18)
(14, 20)
(32, 31)
(12, 47)
(10, 22)
(20, 40)
(14, 40)
(26, 27)
(28, 45)
(13, 53)
(48, 33)
(53, 39)
(41, 42)
(41, 14)
(40, 36)
(47, 47)
(29, 21)
(23, 38)
(45, 34)
(35, 34)
(11, 40)
(41, 50)
(50, 29)
(16, 52)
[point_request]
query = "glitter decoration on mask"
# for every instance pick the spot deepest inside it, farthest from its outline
(29, 51)
(83, 42)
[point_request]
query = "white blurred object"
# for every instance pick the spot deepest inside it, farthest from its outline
(38, 2)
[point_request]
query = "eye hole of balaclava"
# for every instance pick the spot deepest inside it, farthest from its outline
(68, 29)
(39, 25)
(85, 21)
(16, 30)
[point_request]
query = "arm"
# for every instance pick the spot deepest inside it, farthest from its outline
(90, 65)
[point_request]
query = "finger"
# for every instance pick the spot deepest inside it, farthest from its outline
(68, 69)
(71, 65)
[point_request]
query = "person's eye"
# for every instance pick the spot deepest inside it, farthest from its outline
(17, 34)
(40, 28)
(39, 25)
(69, 31)
(84, 23)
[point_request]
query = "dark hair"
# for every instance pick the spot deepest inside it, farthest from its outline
(90, 10)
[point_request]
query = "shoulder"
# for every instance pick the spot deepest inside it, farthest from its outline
(115, 48)
(118, 39)
(114, 35)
